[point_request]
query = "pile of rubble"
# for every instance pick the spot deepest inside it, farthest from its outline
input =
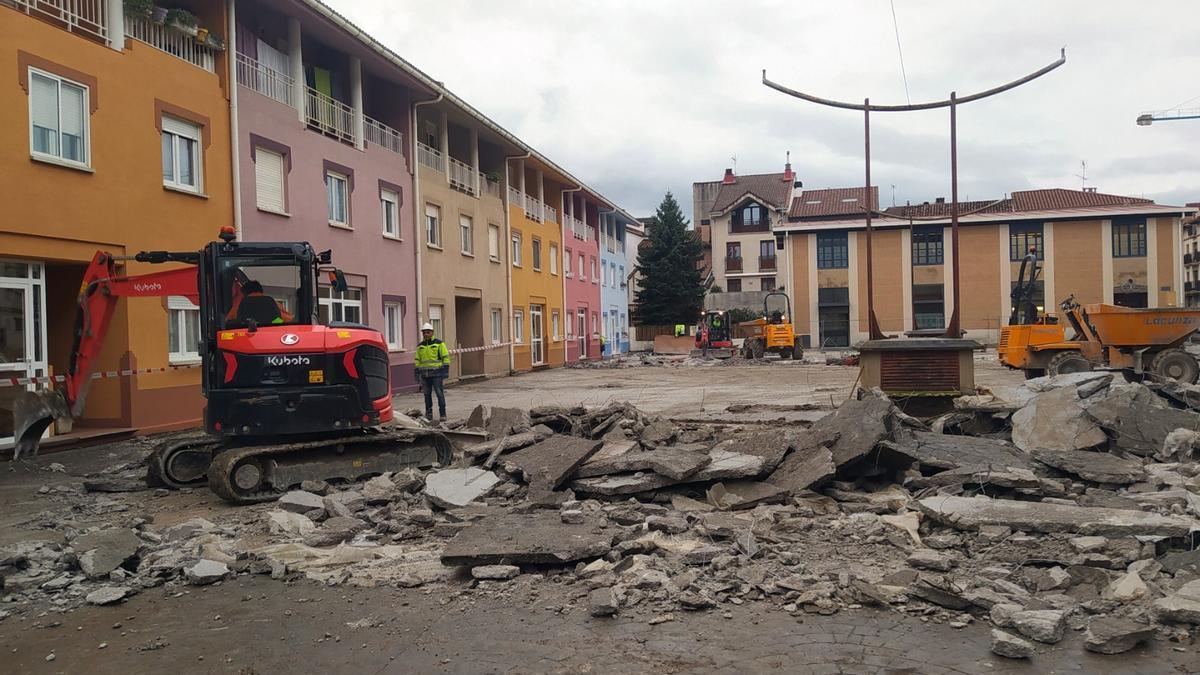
(1066, 504)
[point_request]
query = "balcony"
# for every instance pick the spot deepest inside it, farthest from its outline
(515, 197)
(549, 213)
(578, 229)
(1189, 258)
(380, 134)
(87, 17)
(463, 177)
(533, 208)
(1191, 286)
(430, 157)
(745, 228)
(491, 187)
(766, 263)
(264, 80)
(329, 116)
(167, 39)
(733, 264)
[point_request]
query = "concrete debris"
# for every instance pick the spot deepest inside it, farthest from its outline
(1043, 625)
(526, 539)
(670, 462)
(286, 522)
(548, 464)
(206, 572)
(103, 551)
(379, 490)
(1099, 467)
(854, 430)
(1180, 446)
(744, 494)
(454, 488)
(804, 469)
(299, 501)
(499, 422)
(1113, 635)
(107, 595)
(603, 602)
(658, 432)
(1179, 561)
(334, 531)
(1182, 606)
(925, 559)
(1010, 646)
(1052, 383)
(1138, 420)
(941, 451)
(1055, 420)
(1128, 588)
(495, 572)
(967, 513)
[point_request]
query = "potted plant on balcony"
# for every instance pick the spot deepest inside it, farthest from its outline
(143, 9)
(182, 20)
(493, 176)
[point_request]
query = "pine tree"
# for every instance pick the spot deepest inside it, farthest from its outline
(671, 290)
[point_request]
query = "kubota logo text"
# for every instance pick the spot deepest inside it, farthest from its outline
(288, 360)
(147, 288)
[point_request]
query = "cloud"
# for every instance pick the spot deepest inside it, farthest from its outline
(639, 97)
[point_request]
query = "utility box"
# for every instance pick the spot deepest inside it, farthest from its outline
(910, 367)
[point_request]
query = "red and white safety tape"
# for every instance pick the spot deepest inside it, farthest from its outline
(467, 350)
(25, 381)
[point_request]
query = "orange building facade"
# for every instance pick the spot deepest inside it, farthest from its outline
(116, 138)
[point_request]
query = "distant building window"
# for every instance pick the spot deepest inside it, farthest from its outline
(466, 235)
(433, 225)
(494, 242)
(1023, 237)
(927, 245)
(181, 156)
(337, 198)
(393, 325)
(553, 258)
(269, 183)
(1129, 239)
(751, 215)
(537, 254)
(567, 263)
(389, 204)
(518, 329)
(768, 283)
(595, 272)
(928, 306)
(497, 326)
(733, 285)
(58, 114)
(516, 249)
(833, 251)
(733, 250)
(183, 330)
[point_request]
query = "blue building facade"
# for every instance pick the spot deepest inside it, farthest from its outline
(615, 266)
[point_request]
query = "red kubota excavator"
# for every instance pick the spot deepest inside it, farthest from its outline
(289, 398)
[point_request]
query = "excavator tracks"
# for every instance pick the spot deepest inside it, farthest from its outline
(182, 462)
(258, 473)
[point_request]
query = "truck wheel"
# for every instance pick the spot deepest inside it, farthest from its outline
(1176, 364)
(757, 347)
(1031, 373)
(785, 353)
(1068, 362)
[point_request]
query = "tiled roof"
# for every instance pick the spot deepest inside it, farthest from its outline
(1060, 198)
(772, 188)
(942, 209)
(832, 202)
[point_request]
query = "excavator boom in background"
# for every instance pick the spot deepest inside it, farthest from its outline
(289, 398)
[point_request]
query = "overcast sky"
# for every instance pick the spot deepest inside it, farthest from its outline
(636, 97)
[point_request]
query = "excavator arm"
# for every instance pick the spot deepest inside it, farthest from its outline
(99, 293)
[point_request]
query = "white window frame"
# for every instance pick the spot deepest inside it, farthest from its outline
(582, 267)
(260, 153)
(517, 243)
(604, 273)
(493, 242)
(595, 271)
(555, 316)
(497, 325)
(436, 314)
(433, 230)
(518, 330)
(327, 300)
(466, 235)
(332, 179)
(553, 259)
(535, 251)
(181, 132)
(393, 326)
(86, 114)
(567, 262)
(178, 308)
(391, 217)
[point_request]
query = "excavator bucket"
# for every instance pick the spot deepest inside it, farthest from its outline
(33, 413)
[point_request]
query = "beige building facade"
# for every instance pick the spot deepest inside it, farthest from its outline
(742, 217)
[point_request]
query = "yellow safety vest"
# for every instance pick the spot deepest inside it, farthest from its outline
(432, 355)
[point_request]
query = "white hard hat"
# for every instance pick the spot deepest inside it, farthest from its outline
(427, 326)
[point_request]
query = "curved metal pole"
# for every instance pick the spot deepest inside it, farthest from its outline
(916, 106)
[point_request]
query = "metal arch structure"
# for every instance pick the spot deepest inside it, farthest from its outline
(953, 328)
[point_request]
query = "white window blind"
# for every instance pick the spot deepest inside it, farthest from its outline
(268, 180)
(337, 193)
(433, 225)
(393, 326)
(466, 232)
(181, 154)
(494, 242)
(389, 204)
(183, 330)
(58, 118)
(435, 318)
(497, 326)
(553, 259)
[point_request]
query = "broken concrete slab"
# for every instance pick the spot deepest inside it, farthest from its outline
(299, 501)
(107, 595)
(379, 490)
(1055, 420)
(454, 488)
(501, 445)
(925, 559)
(1182, 606)
(1010, 646)
(101, 552)
(334, 531)
(723, 466)
(1114, 635)
(996, 400)
(286, 522)
(499, 421)
(1043, 625)
(853, 430)
(495, 572)
(659, 432)
(1178, 561)
(744, 494)
(804, 469)
(940, 591)
(603, 602)
(1127, 588)
(967, 513)
(1051, 383)
(1100, 467)
(771, 445)
(548, 464)
(206, 572)
(533, 538)
(1137, 419)
(944, 451)
(674, 462)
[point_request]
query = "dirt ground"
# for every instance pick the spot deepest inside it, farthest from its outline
(253, 624)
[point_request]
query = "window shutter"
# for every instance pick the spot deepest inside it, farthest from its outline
(268, 179)
(181, 128)
(44, 92)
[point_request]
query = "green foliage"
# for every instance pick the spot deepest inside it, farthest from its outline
(671, 289)
(716, 288)
(742, 314)
(142, 8)
(182, 17)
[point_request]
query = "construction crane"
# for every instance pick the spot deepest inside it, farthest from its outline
(1148, 118)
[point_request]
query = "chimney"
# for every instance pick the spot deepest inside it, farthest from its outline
(729, 178)
(941, 200)
(788, 176)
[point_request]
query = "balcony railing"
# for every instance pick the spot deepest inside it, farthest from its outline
(170, 40)
(762, 226)
(1190, 286)
(88, 17)
(550, 213)
(430, 157)
(382, 135)
(766, 263)
(578, 229)
(463, 177)
(733, 264)
(329, 116)
(516, 198)
(1188, 258)
(533, 208)
(264, 79)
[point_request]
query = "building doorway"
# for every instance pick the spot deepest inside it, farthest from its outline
(537, 336)
(581, 334)
(22, 334)
(468, 334)
(834, 316)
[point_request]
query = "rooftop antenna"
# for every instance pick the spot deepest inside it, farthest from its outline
(733, 158)
(1082, 175)
(893, 194)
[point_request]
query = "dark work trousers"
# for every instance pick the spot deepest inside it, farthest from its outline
(431, 385)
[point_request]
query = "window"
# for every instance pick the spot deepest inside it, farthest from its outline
(393, 325)
(750, 216)
(1129, 238)
(554, 319)
(928, 306)
(604, 273)
(733, 249)
(337, 198)
(183, 330)
(621, 278)
(582, 268)
(433, 226)
(567, 263)
(768, 283)
(466, 235)
(553, 259)
(516, 249)
(497, 326)
(435, 320)
(58, 118)
(181, 156)
(537, 254)
(766, 248)
(269, 183)
(1023, 237)
(494, 242)
(927, 245)
(832, 251)
(595, 276)
(733, 285)
(595, 323)
(389, 204)
(518, 329)
(345, 306)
